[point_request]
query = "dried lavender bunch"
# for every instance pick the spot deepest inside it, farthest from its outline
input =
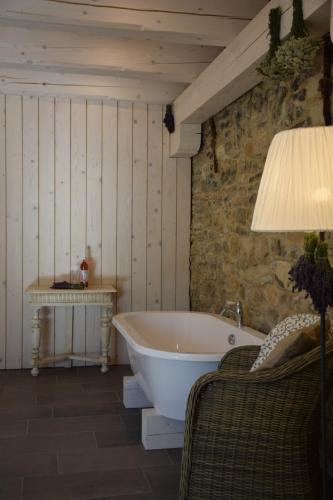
(274, 26)
(321, 289)
(302, 272)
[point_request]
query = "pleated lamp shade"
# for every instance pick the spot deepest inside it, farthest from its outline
(296, 188)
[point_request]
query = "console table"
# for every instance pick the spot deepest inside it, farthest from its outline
(42, 296)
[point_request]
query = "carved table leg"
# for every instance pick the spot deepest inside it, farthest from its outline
(106, 313)
(35, 326)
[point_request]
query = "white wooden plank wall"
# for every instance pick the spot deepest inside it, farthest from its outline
(14, 230)
(3, 249)
(62, 222)
(154, 208)
(78, 210)
(91, 178)
(46, 196)
(30, 212)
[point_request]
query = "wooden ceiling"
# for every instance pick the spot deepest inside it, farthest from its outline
(148, 50)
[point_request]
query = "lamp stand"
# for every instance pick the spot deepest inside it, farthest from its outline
(323, 403)
(323, 395)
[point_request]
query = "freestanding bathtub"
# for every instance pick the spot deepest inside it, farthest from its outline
(168, 351)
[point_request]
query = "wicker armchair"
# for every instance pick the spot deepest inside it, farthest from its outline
(254, 436)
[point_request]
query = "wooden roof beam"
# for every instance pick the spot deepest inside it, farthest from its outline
(199, 22)
(27, 82)
(67, 52)
(233, 72)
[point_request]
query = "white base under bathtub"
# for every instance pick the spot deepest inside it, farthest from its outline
(157, 432)
(133, 395)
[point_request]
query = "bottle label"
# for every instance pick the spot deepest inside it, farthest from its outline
(83, 276)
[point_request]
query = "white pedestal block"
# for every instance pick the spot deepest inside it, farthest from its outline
(159, 432)
(133, 395)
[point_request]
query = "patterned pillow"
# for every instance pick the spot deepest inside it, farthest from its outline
(280, 331)
(298, 342)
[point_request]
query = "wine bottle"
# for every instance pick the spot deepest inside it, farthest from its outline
(84, 272)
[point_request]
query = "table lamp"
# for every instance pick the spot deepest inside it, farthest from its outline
(296, 194)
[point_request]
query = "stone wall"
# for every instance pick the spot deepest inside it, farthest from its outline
(228, 261)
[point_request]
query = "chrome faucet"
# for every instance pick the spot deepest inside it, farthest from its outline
(236, 309)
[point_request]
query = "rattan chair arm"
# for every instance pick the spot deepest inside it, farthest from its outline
(239, 358)
(215, 399)
(222, 405)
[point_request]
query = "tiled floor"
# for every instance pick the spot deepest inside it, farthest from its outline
(65, 435)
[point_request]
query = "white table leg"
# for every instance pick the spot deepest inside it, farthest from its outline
(35, 326)
(106, 314)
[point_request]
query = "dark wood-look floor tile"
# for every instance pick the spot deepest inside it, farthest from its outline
(13, 428)
(92, 374)
(40, 389)
(330, 483)
(11, 488)
(16, 400)
(77, 398)
(28, 464)
(43, 372)
(72, 378)
(146, 496)
(110, 408)
(102, 386)
(64, 425)
(94, 371)
(24, 412)
(132, 422)
(163, 479)
(50, 443)
(81, 444)
(29, 380)
(125, 437)
(125, 457)
(85, 486)
(175, 454)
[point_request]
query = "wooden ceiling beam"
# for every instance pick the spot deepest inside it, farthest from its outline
(27, 82)
(209, 22)
(67, 51)
(233, 72)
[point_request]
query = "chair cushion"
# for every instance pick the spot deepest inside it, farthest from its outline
(281, 331)
(298, 342)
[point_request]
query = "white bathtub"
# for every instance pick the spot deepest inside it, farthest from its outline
(168, 351)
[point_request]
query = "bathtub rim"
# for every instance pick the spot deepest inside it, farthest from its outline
(137, 342)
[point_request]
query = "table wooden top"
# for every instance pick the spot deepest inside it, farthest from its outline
(91, 289)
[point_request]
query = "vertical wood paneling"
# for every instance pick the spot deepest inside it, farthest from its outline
(183, 233)
(109, 201)
(94, 216)
(124, 216)
(88, 178)
(63, 316)
(14, 231)
(30, 213)
(169, 226)
(109, 193)
(154, 207)
(2, 232)
(139, 229)
(78, 211)
(46, 213)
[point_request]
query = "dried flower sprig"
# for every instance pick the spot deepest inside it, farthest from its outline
(313, 273)
(294, 56)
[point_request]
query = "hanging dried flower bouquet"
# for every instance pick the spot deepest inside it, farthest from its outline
(296, 55)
